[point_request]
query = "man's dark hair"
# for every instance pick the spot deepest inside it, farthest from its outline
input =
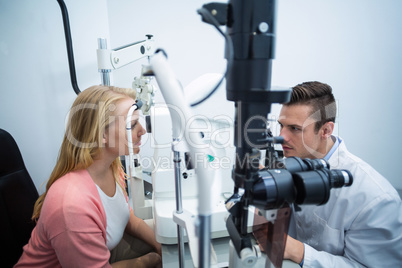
(319, 97)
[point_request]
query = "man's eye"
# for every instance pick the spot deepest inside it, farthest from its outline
(133, 125)
(295, 128)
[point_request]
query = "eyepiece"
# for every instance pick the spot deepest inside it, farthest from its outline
(340, 178)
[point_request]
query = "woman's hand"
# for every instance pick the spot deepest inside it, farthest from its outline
(149, 260)
(158, 249)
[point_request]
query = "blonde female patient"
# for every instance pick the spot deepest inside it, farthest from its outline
(83, 218)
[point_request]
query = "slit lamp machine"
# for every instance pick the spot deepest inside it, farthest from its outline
(196, 198)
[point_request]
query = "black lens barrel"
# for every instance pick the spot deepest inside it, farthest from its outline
(273, 189)
(312, 187)
(296, 164)
(304, 181)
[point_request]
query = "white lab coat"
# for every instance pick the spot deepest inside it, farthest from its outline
(359, 226)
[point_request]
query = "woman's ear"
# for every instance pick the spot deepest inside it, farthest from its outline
(104, 139)
(327, 128)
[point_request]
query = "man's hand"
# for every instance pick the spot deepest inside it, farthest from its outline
(294, 250)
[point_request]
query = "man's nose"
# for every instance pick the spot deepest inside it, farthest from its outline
(283, 133)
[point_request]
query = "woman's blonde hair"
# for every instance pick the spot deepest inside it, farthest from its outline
(90, 114)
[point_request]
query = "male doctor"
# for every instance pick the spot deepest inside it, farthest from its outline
(360, 225)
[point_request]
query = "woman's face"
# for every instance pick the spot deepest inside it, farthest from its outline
(116, 134)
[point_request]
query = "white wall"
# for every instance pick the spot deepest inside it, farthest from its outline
(352, 45)
(36, 92)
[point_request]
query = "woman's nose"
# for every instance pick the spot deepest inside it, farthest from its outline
(143, 131)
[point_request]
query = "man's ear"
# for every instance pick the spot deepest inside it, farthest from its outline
(327, 130)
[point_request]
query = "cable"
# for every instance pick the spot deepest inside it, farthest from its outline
(69, 45)
(207, 16)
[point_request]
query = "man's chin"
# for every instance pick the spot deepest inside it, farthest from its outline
(288, 154)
